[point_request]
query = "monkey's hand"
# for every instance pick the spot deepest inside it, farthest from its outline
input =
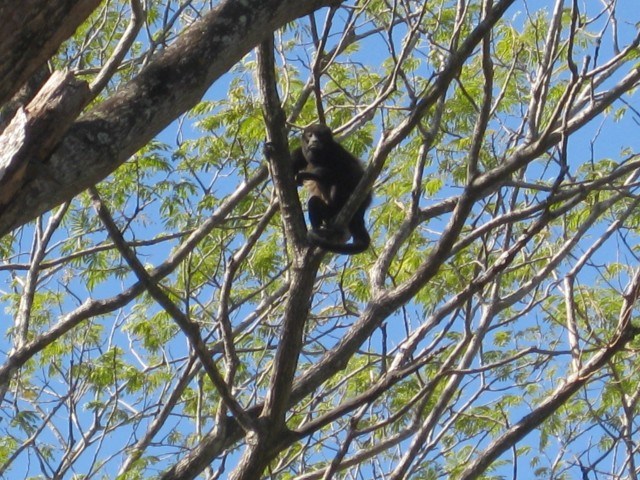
(302, 176)
(315, 175)
(268, 149)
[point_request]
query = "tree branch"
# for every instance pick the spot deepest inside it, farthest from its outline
(624, 334)
(171, 84)
(32, 33)
(188, 327)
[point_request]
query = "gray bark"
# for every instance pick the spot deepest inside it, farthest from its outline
(173, 82)
(32, 32)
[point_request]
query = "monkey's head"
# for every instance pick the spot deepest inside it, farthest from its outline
(316, 138)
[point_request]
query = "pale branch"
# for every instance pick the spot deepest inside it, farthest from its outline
(135, 452)
(572, 324)
(92, 307)
(129, 35)
(190, 328)
(224, 322)
(543, 76)
(41, 245)
(625, 332)
(36, 130)
(87, 252)
(438, 89)
(485, 108)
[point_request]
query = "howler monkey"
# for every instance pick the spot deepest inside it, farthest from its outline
(330, 173)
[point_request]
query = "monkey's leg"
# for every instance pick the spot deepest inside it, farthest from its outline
(321, 217)
(319, 212)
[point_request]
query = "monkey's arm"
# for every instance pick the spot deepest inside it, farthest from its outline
(298, 162)
(317, 174)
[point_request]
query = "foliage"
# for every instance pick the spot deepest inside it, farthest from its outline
(503, 262)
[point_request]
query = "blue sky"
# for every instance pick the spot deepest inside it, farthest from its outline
(618, 136)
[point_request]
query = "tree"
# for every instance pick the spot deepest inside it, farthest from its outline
(166, 316)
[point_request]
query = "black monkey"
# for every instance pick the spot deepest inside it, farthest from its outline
(330, 173)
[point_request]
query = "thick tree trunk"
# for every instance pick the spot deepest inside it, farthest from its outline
(36, 130)
(31, 33)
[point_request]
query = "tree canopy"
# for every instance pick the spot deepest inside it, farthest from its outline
(166, 317)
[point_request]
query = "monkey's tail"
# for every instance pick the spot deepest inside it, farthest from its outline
(357, 246)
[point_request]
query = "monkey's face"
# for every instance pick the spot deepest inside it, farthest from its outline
(317, 138)
(314, 143)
